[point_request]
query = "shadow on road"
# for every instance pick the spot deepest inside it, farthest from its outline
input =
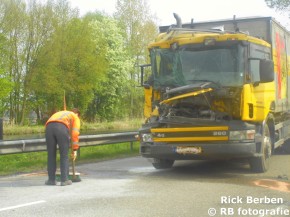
(231, 172)
(205, 169)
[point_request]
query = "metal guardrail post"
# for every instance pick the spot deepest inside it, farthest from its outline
(1, 128)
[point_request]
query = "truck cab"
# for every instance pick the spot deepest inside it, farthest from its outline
(212, 94)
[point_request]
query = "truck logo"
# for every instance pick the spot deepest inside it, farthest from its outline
(160, 135)
(219, 133)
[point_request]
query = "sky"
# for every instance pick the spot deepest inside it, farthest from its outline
(199, 10)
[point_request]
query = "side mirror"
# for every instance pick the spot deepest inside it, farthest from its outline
(266, 71)
(142, 82)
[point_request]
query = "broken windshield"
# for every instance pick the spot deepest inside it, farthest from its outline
(222, 65)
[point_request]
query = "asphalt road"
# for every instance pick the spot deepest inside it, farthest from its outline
(132, 187)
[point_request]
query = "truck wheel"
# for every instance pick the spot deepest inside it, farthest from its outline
(262, 163)
(162, 163)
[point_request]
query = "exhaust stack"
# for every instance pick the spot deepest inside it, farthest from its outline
(178, 20)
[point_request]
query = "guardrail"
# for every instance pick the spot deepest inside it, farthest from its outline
(36, 145)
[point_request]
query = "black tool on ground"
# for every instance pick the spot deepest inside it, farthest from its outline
(75, 176)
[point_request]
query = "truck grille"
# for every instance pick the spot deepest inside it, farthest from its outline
(190, 134)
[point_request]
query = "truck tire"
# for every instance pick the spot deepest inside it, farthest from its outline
(162, 163)
(262, 163)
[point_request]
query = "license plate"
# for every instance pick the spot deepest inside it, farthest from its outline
(188, 150)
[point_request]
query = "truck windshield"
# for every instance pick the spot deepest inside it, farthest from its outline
(222, 65)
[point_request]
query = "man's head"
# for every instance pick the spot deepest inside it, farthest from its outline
(76, 111)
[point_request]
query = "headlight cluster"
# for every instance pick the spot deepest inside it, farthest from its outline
(242, 135)
(147, 137)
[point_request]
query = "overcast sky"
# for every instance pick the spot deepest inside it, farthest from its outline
(199, 10)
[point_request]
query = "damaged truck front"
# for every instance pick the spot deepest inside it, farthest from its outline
(212, 94)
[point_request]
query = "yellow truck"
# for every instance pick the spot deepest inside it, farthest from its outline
(217, 90)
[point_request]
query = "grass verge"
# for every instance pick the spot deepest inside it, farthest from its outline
(97, 126)
(36, 161)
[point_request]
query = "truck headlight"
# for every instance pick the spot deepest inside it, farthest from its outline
(242, 135)
(147, 137)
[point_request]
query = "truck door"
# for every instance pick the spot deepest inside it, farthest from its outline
(263, 94)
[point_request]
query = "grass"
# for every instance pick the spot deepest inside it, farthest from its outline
(98, 126)
(37, 161)
(20, 130)
(116, 125)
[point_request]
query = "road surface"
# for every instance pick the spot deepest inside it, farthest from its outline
(132, 187)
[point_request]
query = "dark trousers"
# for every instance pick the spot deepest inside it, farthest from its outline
(57, 134)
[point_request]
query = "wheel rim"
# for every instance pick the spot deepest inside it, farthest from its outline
(267, 145)
(267, 149)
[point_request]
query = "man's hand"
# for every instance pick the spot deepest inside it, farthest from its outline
(74, 155)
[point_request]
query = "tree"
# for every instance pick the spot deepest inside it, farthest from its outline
(6, 87)
(111, 88)
(39, 29)
(47, 50)
(5, 81)
(282, 5)
(139, 29)
(13, 28)
(67, 63)
(26, 25)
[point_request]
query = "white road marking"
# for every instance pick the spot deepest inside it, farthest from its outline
(22, 205)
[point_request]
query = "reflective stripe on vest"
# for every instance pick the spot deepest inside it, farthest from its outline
(64, 115)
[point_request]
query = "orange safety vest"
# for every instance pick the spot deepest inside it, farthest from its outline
(71, 121)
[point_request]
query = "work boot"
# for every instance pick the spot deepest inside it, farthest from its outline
(50, 182)
(67, 182)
